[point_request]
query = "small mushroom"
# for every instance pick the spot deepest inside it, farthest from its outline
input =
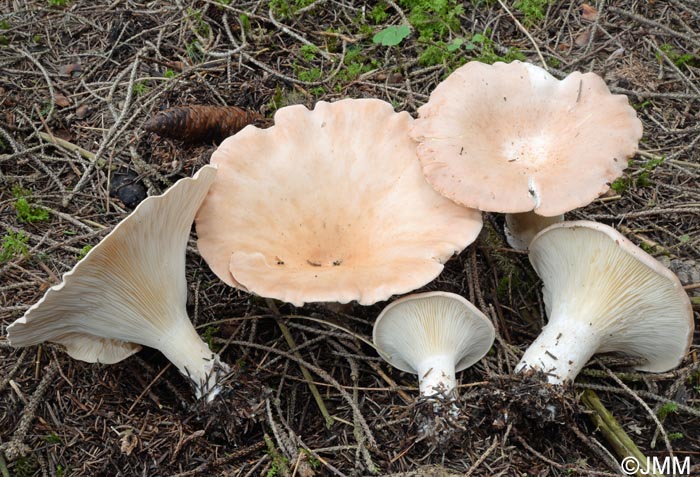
(433, 335)
(512, 138)
(130, 290)
(328, 205)
(604, 294)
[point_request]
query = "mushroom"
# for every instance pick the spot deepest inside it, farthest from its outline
(433, 335)
(328, 205)
(130, 290)
(512, 138)
(604, 294)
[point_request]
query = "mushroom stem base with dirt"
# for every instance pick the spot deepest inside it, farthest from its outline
(436, 375)
(561, 351)
(522, 227)
(193, 359)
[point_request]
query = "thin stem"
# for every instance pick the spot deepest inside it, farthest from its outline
(613, 432)
(307, 376)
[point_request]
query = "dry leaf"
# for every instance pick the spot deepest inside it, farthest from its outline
(82, 111)
(63, 133)
(588, 12)
(129, 441)
(71, 69)
(583, 38)
(178, 66)
(201, 123)
(62, 101)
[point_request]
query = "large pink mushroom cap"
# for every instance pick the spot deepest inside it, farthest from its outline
(512, 138)
(328, 205)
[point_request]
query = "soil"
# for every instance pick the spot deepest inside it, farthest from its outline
(78, 80)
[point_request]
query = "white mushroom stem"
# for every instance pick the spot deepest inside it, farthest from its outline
(433, 335)
(193, 358)
(522, 227)
(436, 374)
(561, 351)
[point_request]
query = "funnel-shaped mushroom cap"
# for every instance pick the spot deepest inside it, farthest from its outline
(130, 290)
(328, 205)
(512, 138)
(603, 294)
(432, 333)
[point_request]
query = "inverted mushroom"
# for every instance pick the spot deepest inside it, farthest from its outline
(604, 294)
(433, 335)
(130, 290)
(328, 205)
(512, 138)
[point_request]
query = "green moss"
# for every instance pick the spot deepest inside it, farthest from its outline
(25, 467)
(84, 251)
(29, 213)
(140, 88)
(308, 52)
(486, 52)
(245, 22)
(553, 62)
(642, 105)
(433, 19)
(620, 185)
(378, 14)
(208, 336)
(356, 63)
(52, 438)
(194, 52)
(197, 19)
(13, 244)
(279, 465)
(310, 75)
(678, 59)
(286, 8)
(666, 409)
(533, 10)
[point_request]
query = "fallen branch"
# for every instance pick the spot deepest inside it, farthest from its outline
(613, 432)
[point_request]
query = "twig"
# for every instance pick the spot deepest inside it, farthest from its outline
(527, 34)
(307, 376)
(646, 407)
(612, 431)
(16, 447)
(486, 453)
(3, 466)
(681, 407)
(646, 21)
(67, 145)
(323, 374)
(147, 388)
(646, 213)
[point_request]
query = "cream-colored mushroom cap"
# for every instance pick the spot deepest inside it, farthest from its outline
(604, 294)
(433, 335)
(130, 290)
(512, 138)
(328, 205)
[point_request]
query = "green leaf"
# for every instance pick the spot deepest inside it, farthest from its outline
(478, 38)
(392, 36)
(685, 238)
(455, 44)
